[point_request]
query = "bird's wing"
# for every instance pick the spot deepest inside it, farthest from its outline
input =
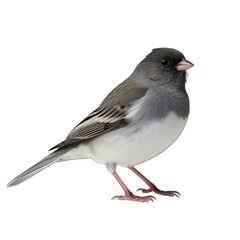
(110, 115)
(102, 120)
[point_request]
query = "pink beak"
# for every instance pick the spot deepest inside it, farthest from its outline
(184, 65)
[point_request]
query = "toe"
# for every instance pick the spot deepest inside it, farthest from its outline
(168, 193)
(144, 190)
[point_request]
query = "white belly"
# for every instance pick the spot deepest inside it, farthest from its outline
(126, 149)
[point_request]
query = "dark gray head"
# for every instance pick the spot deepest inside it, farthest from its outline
(165, 58)
(163, 74)
(165, 65)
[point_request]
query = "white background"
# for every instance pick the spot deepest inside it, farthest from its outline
(58, 61)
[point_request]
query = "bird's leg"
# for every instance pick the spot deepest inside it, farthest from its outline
(128, 194)
(153, 188)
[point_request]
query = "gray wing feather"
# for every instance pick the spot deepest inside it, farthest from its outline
(110, 115)
(94, 125)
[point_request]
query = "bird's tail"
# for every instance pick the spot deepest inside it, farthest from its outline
(44, 163)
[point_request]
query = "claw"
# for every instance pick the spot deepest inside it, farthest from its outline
(168, 193)
(176, 194)
(152, 197)
(144, 190)
(115, 197)
(160, 192)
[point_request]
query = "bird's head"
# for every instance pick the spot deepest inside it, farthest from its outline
(165, 65)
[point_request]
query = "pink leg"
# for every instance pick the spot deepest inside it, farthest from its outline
(153, 188)
(128, 194)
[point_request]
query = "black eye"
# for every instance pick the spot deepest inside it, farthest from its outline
(164, 62)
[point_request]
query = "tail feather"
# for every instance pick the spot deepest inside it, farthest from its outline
(44, 163)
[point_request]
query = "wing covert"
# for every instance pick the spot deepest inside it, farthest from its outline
(100, 121)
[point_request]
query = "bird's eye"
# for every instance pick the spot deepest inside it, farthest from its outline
(164, 62)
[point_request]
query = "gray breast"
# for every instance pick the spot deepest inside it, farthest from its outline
(158, 104)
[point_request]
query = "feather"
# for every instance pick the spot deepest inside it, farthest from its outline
(44, 163)
(109, 116)
(98, 122)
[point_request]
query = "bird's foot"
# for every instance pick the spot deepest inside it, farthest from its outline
(158, 191)
(135, 198)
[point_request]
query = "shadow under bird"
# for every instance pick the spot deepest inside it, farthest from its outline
(137, 120)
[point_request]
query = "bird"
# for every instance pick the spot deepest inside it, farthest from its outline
(136, 121)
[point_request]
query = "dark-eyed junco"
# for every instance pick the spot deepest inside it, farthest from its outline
(139, 119)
